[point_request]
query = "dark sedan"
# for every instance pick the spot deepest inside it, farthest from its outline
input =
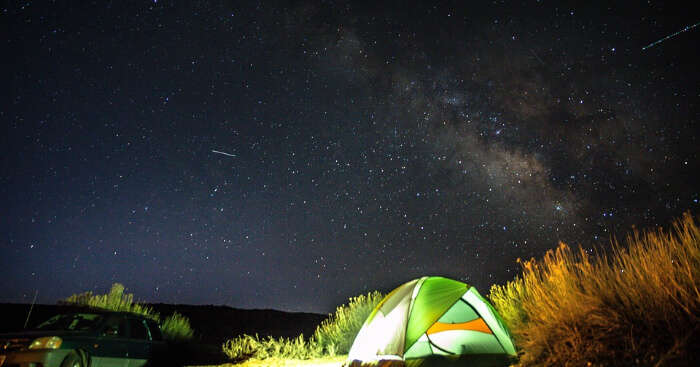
(95, 339)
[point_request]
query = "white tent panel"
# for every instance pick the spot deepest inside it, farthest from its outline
(385, 334)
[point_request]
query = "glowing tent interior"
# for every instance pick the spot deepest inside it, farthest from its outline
(433, 321)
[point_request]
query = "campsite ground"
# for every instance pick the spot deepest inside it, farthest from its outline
(279, 362)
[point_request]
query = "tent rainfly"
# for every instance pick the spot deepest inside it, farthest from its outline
(433, 321)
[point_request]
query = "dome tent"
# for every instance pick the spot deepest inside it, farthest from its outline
(433, 321)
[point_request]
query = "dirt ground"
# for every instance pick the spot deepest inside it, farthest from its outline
(278, 362)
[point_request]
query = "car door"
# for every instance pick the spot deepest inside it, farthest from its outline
(159, 348)
(110, 347)
(139, 345)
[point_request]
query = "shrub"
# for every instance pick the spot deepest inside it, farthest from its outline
(334, 336)
(640, 304)
(175, 327)
(115, 300)
(247, 346)
(242, 347)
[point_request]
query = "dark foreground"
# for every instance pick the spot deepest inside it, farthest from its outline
(213, 325)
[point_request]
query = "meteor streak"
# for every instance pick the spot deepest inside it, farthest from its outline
(687, 28)
(224, 153)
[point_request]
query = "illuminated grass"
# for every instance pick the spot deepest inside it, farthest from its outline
(333, 337)
(336, 334)
(640, 304)
(284, 362)
(115, 300)
(175, 327)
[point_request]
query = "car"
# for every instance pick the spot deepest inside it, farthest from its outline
(86, 339)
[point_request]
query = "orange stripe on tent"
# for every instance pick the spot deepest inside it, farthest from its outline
(475, 325)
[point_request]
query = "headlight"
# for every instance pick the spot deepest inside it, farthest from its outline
(47, 342)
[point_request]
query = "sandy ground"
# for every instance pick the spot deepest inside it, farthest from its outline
(278, 362)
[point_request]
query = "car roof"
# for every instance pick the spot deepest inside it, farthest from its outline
(103, 312)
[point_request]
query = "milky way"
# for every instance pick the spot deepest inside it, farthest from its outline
(291, 155)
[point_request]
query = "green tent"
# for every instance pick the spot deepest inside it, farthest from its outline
(433, 321)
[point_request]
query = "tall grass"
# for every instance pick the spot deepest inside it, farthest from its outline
(247, 346)
(334, 336)
(639, 304)
(115, 300)
(175, 327)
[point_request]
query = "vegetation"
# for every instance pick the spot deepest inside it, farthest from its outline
(247, 346)
(637, 304)
(334, 336)
(115, 300)
(288, 362)
(175, 327)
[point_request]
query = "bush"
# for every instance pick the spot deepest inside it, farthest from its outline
(638, 305)
(246, 346)
(334, 336)
(242, 347)
(115, 300)
(175, 327)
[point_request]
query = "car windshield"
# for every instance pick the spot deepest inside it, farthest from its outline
(78, 321)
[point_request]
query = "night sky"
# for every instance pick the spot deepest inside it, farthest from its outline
(290, 155)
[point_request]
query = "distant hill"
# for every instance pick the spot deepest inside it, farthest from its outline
(212, 324)
(219, 323)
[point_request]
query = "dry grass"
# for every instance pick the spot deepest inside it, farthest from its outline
(334, 336)
(175, 327)
(637, 305)
(284, 362)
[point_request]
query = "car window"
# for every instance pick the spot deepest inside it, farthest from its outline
(115, 327)
(81, 321)
(138, 329)
(154, 329)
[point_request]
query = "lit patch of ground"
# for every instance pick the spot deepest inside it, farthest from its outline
(281, 362)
